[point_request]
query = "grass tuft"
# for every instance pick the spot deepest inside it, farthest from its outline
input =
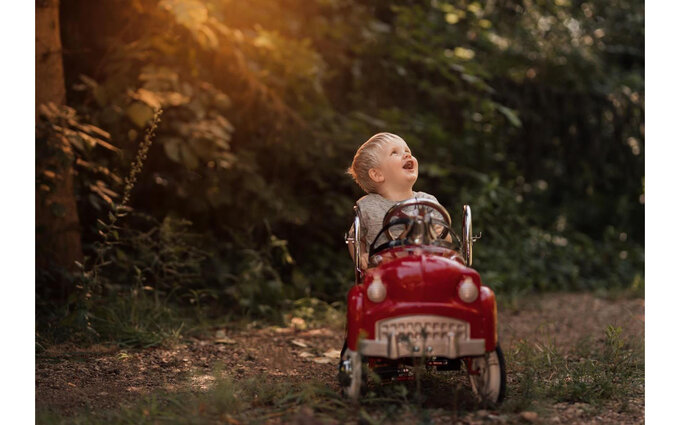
(610, 368)
(596, 371)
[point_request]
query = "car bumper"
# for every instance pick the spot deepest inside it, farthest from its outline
(416, 335)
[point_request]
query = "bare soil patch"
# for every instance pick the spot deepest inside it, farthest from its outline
(72, 379)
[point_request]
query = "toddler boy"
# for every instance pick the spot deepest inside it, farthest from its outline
(386, 170)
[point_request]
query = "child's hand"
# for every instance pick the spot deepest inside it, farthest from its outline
(363, 261)
(438, 228)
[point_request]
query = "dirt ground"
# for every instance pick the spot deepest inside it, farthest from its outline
(71, 379)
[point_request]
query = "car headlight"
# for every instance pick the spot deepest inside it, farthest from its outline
(467, 290)
(376, 290)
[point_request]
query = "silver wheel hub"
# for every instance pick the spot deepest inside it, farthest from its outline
(485, 377)
(351, 365)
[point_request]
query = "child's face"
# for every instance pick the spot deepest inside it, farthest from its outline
(398, 166)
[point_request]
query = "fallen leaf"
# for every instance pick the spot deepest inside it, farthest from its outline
(332, 354)
(529, 416)
(305, 355)
(322, 360)
(318, 332)
(299, 343)
(224, 341)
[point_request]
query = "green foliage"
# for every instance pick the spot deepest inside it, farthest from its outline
(136, 319)
(257, 286)
(531, 112)
(317, 313)
(592, 372)
(85, 145)
(601, 377)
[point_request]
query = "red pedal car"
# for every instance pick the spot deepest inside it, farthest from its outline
(421, 300)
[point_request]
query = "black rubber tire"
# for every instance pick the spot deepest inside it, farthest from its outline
(501, 362)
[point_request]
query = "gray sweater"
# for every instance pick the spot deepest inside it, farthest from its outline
(373, 208)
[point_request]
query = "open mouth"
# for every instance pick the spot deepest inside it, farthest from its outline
(409, 165)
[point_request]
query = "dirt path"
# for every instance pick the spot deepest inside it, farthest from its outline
(71, 379)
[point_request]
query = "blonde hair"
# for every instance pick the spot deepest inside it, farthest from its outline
(368, 157)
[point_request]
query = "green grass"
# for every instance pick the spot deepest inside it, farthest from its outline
(137, 319)
(599, 371)
(596, 371)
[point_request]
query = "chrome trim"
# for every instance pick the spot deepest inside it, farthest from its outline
(413, 325)
(467, 290)
(407, 336)
(351, 365)
(467, 235)
(357, 245)
(356, 240)
(376, 291)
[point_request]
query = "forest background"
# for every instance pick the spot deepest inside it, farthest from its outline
(530, 111)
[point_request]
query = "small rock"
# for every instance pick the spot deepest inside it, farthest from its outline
(529, 416)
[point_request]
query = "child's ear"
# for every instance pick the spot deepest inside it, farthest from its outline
(376, 175)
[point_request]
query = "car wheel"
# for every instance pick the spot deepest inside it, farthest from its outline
(487, 376)
(350, 374)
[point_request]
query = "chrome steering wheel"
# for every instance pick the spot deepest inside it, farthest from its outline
(398, 210)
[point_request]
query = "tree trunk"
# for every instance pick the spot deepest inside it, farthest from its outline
(57, 226)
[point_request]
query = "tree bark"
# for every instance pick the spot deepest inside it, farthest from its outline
(57, 225)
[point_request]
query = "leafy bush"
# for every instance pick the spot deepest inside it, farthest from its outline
(532, 113)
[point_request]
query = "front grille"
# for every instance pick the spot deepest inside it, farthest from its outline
(411, 327)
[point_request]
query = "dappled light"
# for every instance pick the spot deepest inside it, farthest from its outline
(192, 194)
